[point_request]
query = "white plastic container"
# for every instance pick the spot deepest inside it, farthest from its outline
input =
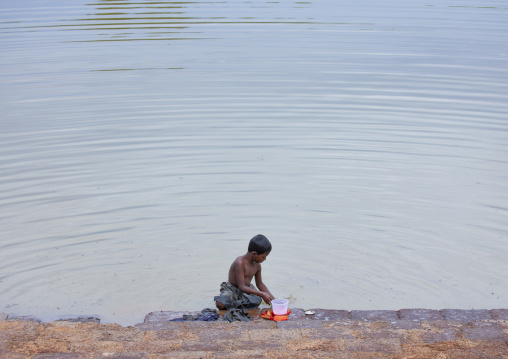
(280, 306)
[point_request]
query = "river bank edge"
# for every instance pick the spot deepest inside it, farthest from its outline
(405, 333)
(298, 314)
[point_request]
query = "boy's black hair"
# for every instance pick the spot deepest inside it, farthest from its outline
(260, 244)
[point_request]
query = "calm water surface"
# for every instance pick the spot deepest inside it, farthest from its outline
(143, 143)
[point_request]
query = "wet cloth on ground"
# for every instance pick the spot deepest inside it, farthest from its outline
(206, 315)
(237, 315)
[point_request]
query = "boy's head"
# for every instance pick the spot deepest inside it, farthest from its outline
(260, 244)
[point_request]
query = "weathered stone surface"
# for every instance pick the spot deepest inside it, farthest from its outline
(164, 316)
(373, 334)
(374, 315)
(454, 349)
(499, 313)
(162, 320)
(374, 345)
(332, 333)
(299, 324)
(420, 315)
(444, 335)
(330, 315)
(443, 324)
(485, 330)
(296, 314)
(255, 354)
(158, 326)
(3, 316)
(403, 324)
(259, 324)
(67, 356)
(466, 315)
(81, 319)
(313, 345)
(28, 318)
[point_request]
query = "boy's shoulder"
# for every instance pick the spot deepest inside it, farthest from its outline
(239, 259)
(244, 261)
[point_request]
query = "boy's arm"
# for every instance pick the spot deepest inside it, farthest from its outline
(262, 287)
(240, 280)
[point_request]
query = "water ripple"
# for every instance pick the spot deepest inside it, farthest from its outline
(367, 141)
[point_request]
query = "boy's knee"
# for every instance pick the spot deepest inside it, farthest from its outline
(220, 306)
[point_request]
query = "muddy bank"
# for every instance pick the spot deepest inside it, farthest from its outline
(406, 333)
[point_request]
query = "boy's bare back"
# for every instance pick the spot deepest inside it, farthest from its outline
(241, 264)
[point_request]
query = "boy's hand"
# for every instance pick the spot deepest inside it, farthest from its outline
(267, 297)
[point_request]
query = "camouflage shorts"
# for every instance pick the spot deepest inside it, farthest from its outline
(232, 297)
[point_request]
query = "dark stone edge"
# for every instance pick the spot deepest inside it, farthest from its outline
(160, 319)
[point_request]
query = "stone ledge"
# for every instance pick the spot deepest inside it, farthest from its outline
(464, 315)
(418, 333)
(161, 319)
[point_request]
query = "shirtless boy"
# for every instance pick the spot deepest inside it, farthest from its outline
(239, 291)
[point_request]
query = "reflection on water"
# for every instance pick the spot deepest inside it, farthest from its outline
(366, 140)
(143, 21)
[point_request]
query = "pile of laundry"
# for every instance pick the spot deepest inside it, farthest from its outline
(206, 315)
(234, 314)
